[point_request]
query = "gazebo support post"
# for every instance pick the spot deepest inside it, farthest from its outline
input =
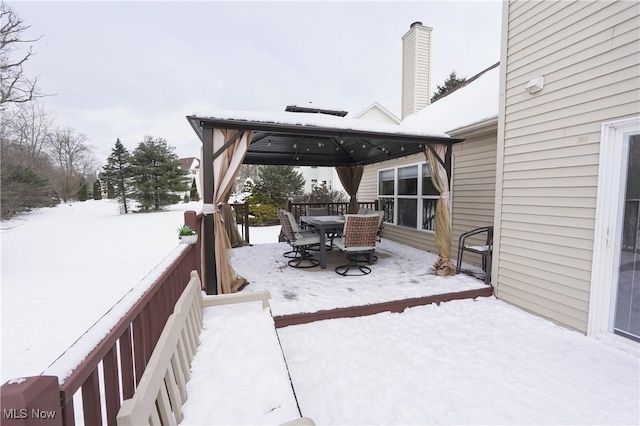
(447, 163)
(208, 237)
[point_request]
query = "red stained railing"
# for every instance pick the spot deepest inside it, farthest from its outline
(121, 356)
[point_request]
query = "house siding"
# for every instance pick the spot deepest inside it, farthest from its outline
(416, 63)
(589, 55)
(473, 192)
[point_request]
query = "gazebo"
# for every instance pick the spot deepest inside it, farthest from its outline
(231, 138)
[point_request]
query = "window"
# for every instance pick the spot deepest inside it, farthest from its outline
(408, 196)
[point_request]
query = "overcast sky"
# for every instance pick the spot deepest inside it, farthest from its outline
(123, 70)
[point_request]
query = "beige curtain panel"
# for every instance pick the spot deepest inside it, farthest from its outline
(443, 266)
(225, 169)
(230, 223)
(350, 177)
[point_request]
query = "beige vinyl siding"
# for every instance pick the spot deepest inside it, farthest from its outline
(416, 57)
(408, 74)
(589, 55)
(473, 192)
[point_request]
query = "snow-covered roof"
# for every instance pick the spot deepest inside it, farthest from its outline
(474, 103)
(313, 120)
(311, 139)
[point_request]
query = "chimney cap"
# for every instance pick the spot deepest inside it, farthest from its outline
(415, 23)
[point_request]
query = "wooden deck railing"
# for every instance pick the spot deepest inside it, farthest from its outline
(111, 371)
(121, 356)
(300, 209)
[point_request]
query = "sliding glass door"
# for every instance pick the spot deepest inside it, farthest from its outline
(626, 318)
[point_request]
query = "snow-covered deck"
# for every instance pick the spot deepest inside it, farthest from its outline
(401, 272)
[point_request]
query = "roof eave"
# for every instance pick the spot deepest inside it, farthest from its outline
(200, 122)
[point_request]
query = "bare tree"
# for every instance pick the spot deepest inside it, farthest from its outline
(72, 158)
(30, 126)
(15, 86)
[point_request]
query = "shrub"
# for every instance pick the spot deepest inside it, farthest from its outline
(263, 214)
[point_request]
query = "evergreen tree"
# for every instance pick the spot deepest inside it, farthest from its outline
(22, 190)
(193, 194)
(111, 193)
(449, 84)
(157, 175)
(97, 190)
(118, 172)
(83, 191)
(277, 184)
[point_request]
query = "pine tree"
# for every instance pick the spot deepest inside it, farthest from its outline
(193, 194)
(111, 193)
(118, 172)
(22, 190)
(157, 175)
(449, 84)
(97, 190)
(277, 184)
(83, 191)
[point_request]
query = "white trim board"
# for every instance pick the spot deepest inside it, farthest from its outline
(608, 224)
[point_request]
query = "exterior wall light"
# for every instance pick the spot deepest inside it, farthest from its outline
(535, 85)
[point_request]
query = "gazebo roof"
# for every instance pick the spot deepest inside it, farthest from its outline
(313, 139)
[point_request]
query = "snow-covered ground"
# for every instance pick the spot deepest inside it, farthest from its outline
(63, 268)
(461, 362)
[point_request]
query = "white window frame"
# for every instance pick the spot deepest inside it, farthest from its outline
(418, 196)
(608, 225)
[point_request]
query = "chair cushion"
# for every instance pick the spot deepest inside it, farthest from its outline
(306, 239)
(340, 245)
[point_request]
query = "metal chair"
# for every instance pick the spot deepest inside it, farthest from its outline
(318, 211)
(300, 241)
(485, 250)
(358, 237)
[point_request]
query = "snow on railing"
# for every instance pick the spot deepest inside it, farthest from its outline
(106, 367)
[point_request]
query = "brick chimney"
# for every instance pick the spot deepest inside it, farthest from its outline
(416, 68)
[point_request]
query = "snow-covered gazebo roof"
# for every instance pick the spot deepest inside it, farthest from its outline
(312, 139)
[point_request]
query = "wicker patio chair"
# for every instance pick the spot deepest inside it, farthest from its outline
(300, 241)
(358, 237)
(485, 250)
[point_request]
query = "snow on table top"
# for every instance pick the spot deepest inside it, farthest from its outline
(238, 375)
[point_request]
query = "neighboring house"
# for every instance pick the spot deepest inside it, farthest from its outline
(566, 157)
(565, 154)
(192, 165)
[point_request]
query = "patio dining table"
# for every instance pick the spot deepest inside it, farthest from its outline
(323, 224)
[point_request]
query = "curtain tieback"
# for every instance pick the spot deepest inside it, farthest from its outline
(209, 208)
(445, 195)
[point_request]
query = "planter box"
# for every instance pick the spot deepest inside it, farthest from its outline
(188, 239)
